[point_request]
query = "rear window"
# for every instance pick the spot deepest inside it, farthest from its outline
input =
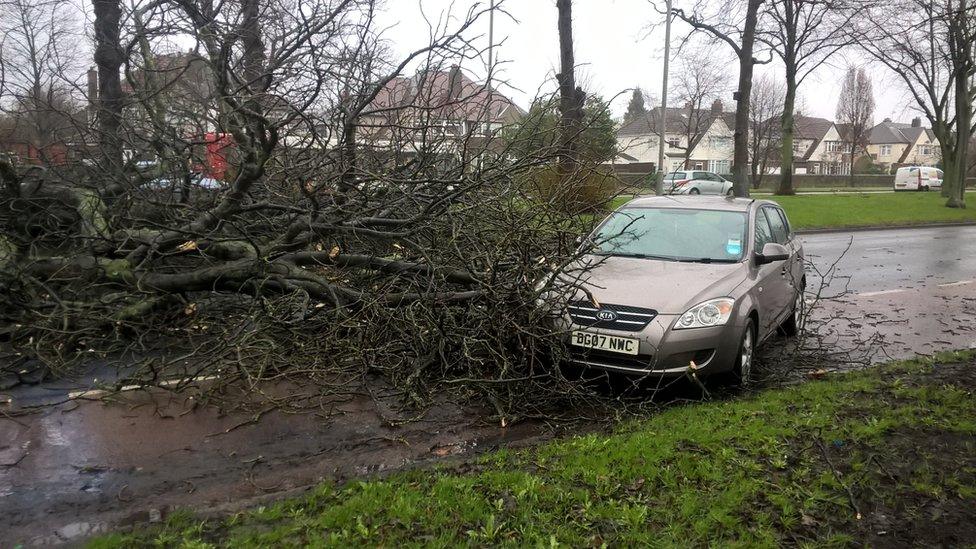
(676, 175)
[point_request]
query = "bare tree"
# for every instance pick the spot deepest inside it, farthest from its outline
(929, 46)
(855, 112)
(40, 63)
(764, 126)
(804, 34)
(701, 80)
(349, 213)
(734, 24)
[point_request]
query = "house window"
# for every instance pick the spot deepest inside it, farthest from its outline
(833, 146)
(796, 147)
(814, 169)
(719, 141)
(699, 165)
(925, 150)
(720, 166)
(885, 150)
(674, 142)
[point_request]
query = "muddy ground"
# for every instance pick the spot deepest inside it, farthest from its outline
(912, 471)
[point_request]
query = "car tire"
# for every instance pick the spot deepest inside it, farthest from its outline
(793, 323)
(694, 191)
(925, 188)
(742, 371)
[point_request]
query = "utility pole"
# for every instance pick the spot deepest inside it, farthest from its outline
(663, 118)
(491, 40)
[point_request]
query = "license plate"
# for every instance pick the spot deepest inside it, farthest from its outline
(603, 342)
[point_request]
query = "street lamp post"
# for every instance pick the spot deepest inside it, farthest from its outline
(663, 118)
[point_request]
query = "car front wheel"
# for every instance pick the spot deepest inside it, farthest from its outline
(694, 191)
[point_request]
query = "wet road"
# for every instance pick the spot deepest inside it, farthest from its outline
(910, 291)
(86, 465)
(897, 259)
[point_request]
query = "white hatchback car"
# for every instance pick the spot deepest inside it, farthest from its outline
(696, 182)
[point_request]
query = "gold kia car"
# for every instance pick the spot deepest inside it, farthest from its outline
(673, 283)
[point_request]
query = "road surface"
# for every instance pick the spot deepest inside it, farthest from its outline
(912, 291)
(84, 466)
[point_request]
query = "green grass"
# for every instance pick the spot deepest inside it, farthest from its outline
(749, 472)
(867, 210)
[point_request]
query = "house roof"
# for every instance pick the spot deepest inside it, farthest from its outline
(677, 121)
(809, 127)
(889, 132)
(448, 93)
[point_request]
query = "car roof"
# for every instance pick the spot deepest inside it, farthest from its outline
(697, 202)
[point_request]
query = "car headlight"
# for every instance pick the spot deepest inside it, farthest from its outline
(714, 312)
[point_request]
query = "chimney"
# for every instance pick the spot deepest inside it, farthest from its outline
(717, 107)
(454, 81)
(916, 122)
(887, 121)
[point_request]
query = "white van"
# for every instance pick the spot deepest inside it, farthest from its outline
(918, 178)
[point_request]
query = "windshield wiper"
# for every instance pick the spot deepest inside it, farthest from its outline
(705, 260)
(638, 256)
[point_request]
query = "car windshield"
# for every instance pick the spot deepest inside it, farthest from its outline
(675, 175)
(675, 234)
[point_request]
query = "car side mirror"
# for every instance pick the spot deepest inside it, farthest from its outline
(771, 253)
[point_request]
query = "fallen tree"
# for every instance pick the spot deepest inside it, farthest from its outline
(294, 205)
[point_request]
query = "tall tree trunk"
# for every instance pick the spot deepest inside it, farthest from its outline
(851, 160)
(108, 59)
(964, 65)
(570, 98)
(746, 64)
(786, 146)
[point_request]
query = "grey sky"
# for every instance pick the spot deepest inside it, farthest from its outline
(614, 51)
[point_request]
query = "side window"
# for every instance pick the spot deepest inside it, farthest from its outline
(786, 222)
(780, 232)
(764, 234)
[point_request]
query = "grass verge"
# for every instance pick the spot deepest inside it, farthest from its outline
(886, 456)
(867, 210)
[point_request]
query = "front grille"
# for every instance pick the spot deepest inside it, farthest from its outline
(628, 318)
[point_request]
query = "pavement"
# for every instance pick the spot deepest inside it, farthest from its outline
(82, 467)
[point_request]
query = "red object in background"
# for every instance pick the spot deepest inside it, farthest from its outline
(218, 146)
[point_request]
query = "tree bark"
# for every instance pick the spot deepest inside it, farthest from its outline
(963, 101)
(746, 65)
(570, 98)
(108, 59)
(786, 147)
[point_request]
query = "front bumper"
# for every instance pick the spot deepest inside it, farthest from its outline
(662, 350)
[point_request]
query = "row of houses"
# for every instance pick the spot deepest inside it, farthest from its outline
(456, 105)
(700, 140)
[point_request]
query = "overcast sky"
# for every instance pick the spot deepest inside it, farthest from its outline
(614, 51)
